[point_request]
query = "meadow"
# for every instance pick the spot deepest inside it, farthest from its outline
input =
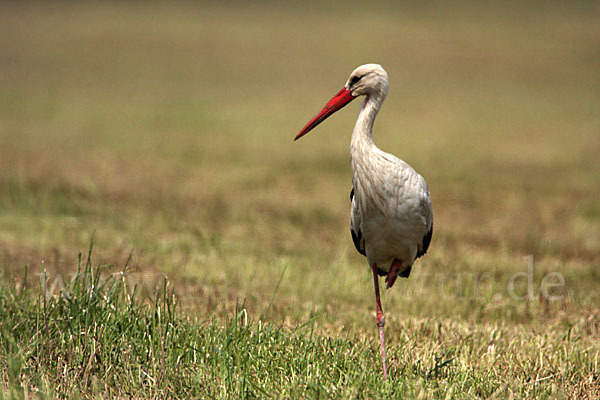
(161, 235)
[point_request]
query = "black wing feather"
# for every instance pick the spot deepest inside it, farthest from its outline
(425, 244)
(405, 273)
(356, 236)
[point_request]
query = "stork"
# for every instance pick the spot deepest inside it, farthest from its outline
(391, 221)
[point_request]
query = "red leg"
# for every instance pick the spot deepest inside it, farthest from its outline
(380, 319)
(393, 274)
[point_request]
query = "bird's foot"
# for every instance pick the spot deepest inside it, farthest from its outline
(392, 275)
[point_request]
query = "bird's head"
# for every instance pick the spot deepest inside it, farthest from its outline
(368, 79)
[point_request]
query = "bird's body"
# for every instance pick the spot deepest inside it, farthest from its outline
(391, 206)
(391, 220)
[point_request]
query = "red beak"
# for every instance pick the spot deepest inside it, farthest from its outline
(338, 101)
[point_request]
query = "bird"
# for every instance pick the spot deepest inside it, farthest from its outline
(391, 218)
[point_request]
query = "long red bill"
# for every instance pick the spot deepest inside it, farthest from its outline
(338, 101)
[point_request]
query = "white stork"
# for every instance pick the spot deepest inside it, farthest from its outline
(391, 220)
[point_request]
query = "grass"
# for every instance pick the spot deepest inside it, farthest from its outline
(168, 132)
(96, 338)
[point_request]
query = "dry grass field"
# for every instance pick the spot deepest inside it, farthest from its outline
(163, 133)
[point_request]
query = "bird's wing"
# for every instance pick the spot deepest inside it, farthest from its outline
(355, 226)
(406, 177)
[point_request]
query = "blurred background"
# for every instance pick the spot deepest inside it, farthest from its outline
(165, 129)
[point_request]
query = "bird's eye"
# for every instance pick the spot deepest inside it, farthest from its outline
(354, 80)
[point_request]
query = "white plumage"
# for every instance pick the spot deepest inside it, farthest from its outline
(391, 206)
(391, 221)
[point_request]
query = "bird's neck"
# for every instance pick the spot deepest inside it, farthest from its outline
(362, 136)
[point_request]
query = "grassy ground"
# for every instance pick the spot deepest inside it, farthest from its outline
(165, 132)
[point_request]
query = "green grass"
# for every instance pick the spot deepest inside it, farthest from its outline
(165, 133)
(95, 337)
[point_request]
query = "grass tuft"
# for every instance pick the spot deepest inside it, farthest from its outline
(95, 337)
